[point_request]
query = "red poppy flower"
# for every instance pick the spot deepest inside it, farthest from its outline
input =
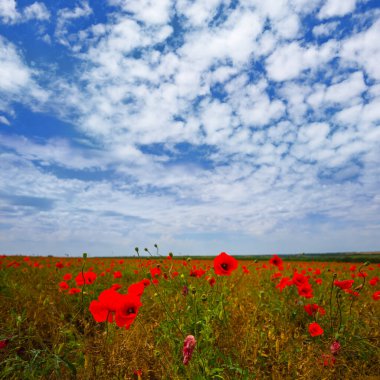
(117, 274)
(136, 289)
(284, 282)
(86, 277)
(345, 284)
(116, 286)
(373, 281)
(376, 295)
(328, 360)
(311, 309)
(63, 285)
(127, 310)
(299, 279)
(145, 281)
(155, 272)
(59, 265)
(276, 261)
(74, 291)
(315, 329)
(305, 290)
(225, 264)
(67, 276)
(104, 308)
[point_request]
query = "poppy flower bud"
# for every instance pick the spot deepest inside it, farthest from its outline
(155, 246)
(204, 297)
(171, 254)
(84, 255)
(188, 259)
(193, 290)
(137, 249)
(185, 291)
(188, 348)
(335, 347)
(366, 263)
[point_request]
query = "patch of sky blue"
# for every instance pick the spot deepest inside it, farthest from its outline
(156, 149)
(39, 125)
(42, 204)
(348, 173)
(218, 92)
(91, 175)
(222, 13)
(182, 153)
(5, 226)
(179, 118)
(127, 218)
(176, 39)
(197, 101)
(256, 70)
(198, 155)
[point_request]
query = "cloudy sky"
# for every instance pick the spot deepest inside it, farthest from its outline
(203, 126)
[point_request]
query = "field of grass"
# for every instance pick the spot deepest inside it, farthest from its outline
(107, 318)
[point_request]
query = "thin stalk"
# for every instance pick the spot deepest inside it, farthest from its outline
(331, 292)
(167, 311)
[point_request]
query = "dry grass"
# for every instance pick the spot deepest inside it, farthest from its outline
(245, 329)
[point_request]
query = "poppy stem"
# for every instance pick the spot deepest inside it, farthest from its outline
(359, 290)
(167, 311)
(338, 296)
(83, 286)
(331, 292)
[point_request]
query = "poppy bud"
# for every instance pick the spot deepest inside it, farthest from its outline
(335, 347)
(188, 348)
(204, 297)
(193, 290)
(155, 246)
(85, 255)
(171, 254)
(188, 259)
(137, 249)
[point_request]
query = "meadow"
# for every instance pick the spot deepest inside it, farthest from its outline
(162, 317)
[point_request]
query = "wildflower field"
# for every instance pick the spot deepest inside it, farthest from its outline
(172, 318)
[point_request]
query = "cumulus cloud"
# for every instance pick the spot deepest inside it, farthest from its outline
(289, 61)
(18, 79)
(233, 118)
(9, 14)
(363, 50)
(336, 8)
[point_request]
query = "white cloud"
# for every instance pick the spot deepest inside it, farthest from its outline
(4, 120)
(363, 50)
(65, 17)
(289, 61)
(17, 80)
(325, 29)
(36, 11)
(8, 11)
(343, 92)
(336, 8)
(148, 11)
(251, 137)
(10, 15)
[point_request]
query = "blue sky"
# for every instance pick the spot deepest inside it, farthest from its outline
(202, 126)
